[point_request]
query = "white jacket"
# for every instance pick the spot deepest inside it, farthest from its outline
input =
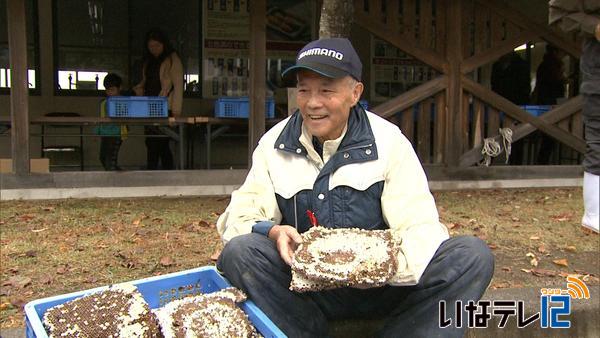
(369, 178)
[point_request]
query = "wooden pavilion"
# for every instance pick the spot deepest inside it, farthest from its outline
(458, 39)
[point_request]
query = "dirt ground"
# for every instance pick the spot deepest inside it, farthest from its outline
(55, 247)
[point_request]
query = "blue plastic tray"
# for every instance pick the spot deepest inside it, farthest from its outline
(157, 291)
(137, 106)
(238, 107)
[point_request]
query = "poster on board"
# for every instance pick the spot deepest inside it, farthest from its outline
(226, 27)
(394, 72)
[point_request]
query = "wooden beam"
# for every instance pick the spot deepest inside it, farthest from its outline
(439, 127)
(19, 95)
(440, 27)
(559, 113)
(454, 91)
(492, 54)
(409, 98)
(401, 41)
(527, 23)
(258, 56)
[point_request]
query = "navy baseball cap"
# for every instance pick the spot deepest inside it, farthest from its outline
(334, 58)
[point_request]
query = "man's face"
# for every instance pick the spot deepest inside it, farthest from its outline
(325, 103)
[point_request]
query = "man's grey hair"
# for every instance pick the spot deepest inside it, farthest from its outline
(352, 82)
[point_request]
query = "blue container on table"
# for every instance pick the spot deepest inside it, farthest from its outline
(536, 110)
(137, 106)
(239, 107)
(157, 291)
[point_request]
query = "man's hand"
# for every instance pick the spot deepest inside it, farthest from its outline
(597, 32)
(287, 239)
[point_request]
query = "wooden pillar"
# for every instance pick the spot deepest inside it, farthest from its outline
(19, 96)
(258, 56)
(454, 91)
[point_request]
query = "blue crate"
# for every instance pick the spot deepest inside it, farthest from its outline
(238, 107)
(536, 110)
(137, 106)
(157, 291)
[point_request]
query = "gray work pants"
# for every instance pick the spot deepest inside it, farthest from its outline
(460, 270)
(591, 121)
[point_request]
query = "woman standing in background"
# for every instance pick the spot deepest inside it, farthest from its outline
(162, 75)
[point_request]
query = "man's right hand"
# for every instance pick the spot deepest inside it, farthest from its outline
(287, 239)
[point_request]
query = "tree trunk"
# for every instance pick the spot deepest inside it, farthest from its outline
(336, 19)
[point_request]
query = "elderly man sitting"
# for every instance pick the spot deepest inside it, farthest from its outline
(352, 169)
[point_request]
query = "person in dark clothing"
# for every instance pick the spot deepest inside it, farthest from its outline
(510, 78)
(550, 80)
(549, 86)
(162, 75)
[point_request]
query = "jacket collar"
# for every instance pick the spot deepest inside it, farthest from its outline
(358, 133)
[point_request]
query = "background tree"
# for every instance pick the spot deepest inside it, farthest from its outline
(336, 18)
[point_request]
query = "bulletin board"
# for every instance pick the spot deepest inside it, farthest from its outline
(226, 28)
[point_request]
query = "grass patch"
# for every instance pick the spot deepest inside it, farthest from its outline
(56, 247)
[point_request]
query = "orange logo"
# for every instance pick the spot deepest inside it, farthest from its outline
(577, 288)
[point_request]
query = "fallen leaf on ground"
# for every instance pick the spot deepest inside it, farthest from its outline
(506, 268)
(453, 225)
(561, 262)
(526, 270)
(500, 285)
(571, 248)
(91, 280)
(39, 230)
(492, 246)
(18, 302)
(48, 208)
(533, 261)
(534, 238)
(46, 280)
(541, 249)
(562, 217)
(166, 261)
(544, 273)
(137, 222)
(26, 217)
(17, 281)
(203, 224)
(215, 255)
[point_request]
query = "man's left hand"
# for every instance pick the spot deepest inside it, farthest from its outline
(287, 239)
